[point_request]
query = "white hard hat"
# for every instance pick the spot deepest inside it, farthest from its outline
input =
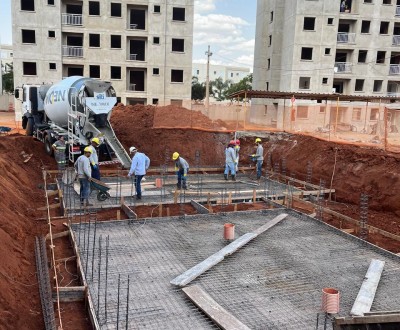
(132, 149)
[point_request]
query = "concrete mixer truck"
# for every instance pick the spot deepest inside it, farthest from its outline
(78, 108)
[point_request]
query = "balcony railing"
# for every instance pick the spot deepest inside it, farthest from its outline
(73, 51)
(132, 26)
(397, 10)
(71, 19)
(346, 38)
(343, 67)
(132, 87)
(393, 94)
(394, 69)
(396, 40)
(132, 57)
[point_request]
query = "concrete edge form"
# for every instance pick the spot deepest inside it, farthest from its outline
(192, 273)
(366, 295)
(200, 208)
(212, 309)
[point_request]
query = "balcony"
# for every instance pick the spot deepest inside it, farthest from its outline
(394, 69)
(72, 51)
(396, 40)
(132, 26)
(343, 67)
(71, 19)
(346, 38)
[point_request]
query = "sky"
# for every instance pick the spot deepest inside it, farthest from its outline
(228, 26)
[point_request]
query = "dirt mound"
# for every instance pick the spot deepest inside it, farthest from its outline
(19, 199)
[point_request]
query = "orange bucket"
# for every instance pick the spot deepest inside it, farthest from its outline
(159, 183)
(330, 300)
(229, 231)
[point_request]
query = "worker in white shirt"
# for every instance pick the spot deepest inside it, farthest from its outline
(140, 163)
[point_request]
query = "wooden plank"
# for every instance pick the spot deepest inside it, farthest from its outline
(58, 235)
(217, 257)
(52, 206)
(52, 192)
(212, 309)
(391, 318)
(200, 208)
(128, 211)
(366, 295)
(70, 294)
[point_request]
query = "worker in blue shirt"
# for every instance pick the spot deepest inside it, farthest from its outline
(140, 163)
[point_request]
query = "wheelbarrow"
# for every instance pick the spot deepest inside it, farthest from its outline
(102, 189)
(4, 130)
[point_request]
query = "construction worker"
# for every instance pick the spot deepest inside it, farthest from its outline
(259, 157)
(182, 169)
(94, 158)
(230, 161)
(140, 163)
(237, 149)
(59, 148)
(82, 167)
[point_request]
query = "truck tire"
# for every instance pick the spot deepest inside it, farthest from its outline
(48, 145)
(29, 127)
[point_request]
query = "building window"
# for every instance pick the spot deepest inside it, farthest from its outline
(322, 109)
(304, 83)
(324, 81)
(157, 9)
(50, 2)
(367, 1)
(268, 64)
(362, 56)
(197, 71)
(52, 66)
(178, 45)
(380, 56)
(306, 53)
(327, 51)
(155, 101)
(387, 2)
(269, 40)
(271, 16)
(115, 9)
(177, 76)
(94, 71)
(178, 14)
(374, 115)
(51, 34)
(28, 5)
(28, 36)
(356, 115)
(156, 71)
(215, 72)
(309, 23)
(378, 85)
(115, 72)
(231, 74)
(330, 21)
(29, 68)
(94, 8)
(302, 112)
(94, 40)
(115, 41)
(359, 86)
(384, 29)
(267, 83)
(156, 40)
(365, 26)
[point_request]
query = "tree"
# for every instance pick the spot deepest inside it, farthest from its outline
(219, 88)
(8, 78)
(244, 84)
(198, 89)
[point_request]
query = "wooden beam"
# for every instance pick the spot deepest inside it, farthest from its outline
(212, 309)
(52, 206)
(373, 319)
(200, 208)
(128, 211)
(58, 235)
(366, 295)
(70, 294)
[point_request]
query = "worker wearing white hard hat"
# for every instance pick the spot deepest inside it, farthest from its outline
(94, 158)
(182, 169)
(82, 167)
(140, 163)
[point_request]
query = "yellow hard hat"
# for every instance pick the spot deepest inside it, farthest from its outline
(96, 140)
(258, 140)
(175, 156)
(88, 149)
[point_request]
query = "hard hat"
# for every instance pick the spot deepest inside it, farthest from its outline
(232, 142)
(96, 140)
(88, 149)
(258, 140)
(175, 156)
(132, 149)
(237, 142)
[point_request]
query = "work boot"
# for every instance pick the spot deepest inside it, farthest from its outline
(233, 177)
(178, 186)
(87, 203)
(184, 186)
(226, 177)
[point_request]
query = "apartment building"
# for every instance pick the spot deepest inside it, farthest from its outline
(232, 73)
(325, 46)
(143, 47)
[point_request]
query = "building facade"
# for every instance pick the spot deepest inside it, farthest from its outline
(327, 46)
(143, 47)
(232, 73)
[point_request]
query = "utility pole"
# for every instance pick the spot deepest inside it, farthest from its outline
(209, 54)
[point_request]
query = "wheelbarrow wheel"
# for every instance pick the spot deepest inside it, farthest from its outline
(102, 196)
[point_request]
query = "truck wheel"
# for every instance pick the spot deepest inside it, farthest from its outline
(48, 145)
(29, 127)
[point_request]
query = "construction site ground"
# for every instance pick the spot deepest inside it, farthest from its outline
(350, 170)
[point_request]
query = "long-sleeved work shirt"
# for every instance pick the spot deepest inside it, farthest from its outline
(82, 166)
(140, 163)
(94, 159)
(230, 155)
(181, 164)
(259, 152)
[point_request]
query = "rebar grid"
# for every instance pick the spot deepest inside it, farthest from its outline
(274, 282)
(364, 216)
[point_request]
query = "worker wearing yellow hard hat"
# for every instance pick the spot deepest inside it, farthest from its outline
(84, 171)
(182, 169)
(259, 158)
(94, 158)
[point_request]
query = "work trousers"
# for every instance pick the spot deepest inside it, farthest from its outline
(259, 168)
(230, 167)
(84, 189)
(181, 178)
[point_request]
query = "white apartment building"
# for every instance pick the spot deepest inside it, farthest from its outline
(6, 57)
(143, 47)
(324, 46)
(232, 73)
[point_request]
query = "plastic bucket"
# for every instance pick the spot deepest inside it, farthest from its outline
(229, 231)
(159, 183)
(330, 300)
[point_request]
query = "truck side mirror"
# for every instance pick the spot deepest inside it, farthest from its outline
(16, 93)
